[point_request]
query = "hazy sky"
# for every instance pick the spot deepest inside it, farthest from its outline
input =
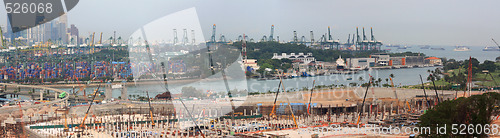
(443, 22)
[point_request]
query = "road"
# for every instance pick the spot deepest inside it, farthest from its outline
(11, 109)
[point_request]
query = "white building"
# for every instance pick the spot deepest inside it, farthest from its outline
(292, 56)
(252, 63)
(360, 63)
(382, 59)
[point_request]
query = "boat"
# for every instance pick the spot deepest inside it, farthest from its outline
(425, 47)
(461, 48)
(392, 46)
(437, 48)
(340, 63)
(403, 47)
(491, 48)
(116, 86)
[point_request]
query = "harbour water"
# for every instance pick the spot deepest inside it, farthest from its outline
(404, 76)
(475, 51)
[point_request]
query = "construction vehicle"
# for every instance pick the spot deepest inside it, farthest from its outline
(87, 113)
(62, 95)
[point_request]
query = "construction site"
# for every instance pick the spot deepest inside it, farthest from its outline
(42, 111)
(264, 115)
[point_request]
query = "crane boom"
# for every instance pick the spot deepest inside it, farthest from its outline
(393, 89)
(274, 104)
(310, 99)
(495, 42)
(86, 114)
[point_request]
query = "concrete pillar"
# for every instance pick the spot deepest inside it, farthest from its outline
(124, 93)
(41, 94)
(108, 92)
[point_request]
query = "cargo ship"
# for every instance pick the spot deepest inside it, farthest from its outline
(437, 48)
(425, 47)
(491, 48)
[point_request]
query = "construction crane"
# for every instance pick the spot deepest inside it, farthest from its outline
(288, 100)
(150, 110)
(425, 94)
(495, 42)
(310, 99)
(393, 88)
(364, 98)
(274, 104)
(87, 113)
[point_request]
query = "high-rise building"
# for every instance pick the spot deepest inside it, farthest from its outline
(63, 25)
(73, 30)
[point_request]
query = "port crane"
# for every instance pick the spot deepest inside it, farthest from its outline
(495, 42)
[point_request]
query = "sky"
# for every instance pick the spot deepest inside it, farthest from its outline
(411, 22)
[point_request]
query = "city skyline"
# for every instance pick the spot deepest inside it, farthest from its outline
(414, 23)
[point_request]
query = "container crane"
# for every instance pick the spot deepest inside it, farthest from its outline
(312, 37)
(100, 39)
(92, 43)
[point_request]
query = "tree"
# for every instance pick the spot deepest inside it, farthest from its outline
(488, 65)
(391, 75)
(476, 110)
(191, 92)
(475, 65)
